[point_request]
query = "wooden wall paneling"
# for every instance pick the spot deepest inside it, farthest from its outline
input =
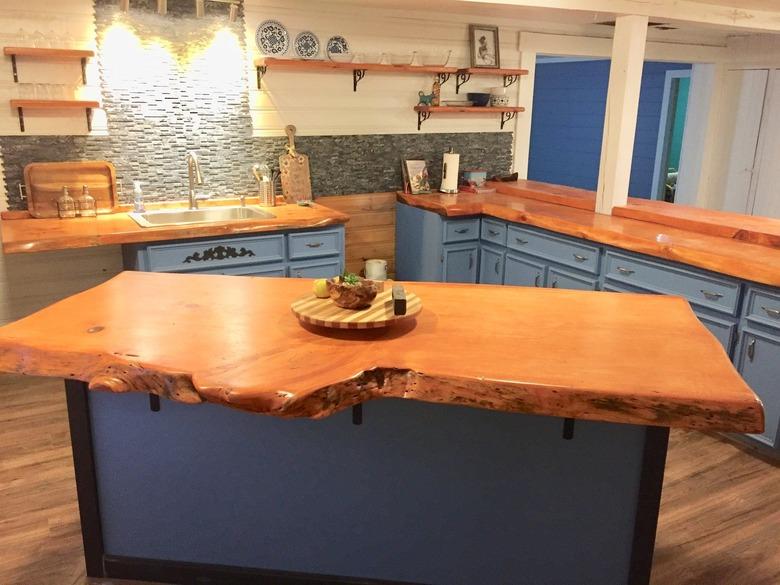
(370, 232)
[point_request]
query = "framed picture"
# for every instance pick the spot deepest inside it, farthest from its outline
(484, 45)
(417, 171)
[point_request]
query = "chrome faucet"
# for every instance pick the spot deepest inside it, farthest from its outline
(195, 176)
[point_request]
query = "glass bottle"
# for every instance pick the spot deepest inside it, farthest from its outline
(66, 206)
(86, 203)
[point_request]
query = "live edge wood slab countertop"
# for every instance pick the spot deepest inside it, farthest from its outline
(39, 235)
(706, 239)
(628, 358)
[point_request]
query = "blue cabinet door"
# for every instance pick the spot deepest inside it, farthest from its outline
(758, 361)
(491, 265)
(325, 268)
(460, 262)
(558, 278)
(520, 271)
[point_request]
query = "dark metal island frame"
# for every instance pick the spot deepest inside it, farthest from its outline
(504, 436)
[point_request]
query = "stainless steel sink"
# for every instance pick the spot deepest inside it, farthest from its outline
(206, 215)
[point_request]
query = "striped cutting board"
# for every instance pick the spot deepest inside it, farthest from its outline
(325, 313)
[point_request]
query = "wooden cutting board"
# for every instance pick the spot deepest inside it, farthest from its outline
(44, 182)
(294, 169)
(325, 313)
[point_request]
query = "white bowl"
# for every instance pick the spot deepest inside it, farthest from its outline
(341, 57)
(434, 59)
(498, 90)
(400, 58)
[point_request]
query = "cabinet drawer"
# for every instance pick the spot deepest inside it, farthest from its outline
(326, 268)
(567, 252)
(461, 230)
(716, 293)
(206, 254)
(314, 244)
(261, 270)
(763, 307)
(493, 231)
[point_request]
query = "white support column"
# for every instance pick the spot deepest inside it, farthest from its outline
(625, 80)
(525, 98)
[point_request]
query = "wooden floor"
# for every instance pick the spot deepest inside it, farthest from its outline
(720, 514)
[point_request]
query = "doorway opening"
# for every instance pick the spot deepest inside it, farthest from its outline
(674, 109)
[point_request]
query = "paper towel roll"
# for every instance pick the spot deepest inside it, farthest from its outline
(449, 173)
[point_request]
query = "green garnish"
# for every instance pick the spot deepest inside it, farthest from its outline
(350, 278)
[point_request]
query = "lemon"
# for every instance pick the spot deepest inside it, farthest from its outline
(321, 288)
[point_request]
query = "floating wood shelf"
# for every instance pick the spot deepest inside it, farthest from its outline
(510, 75)
(358, 69)
(48, 53)
(507, 113)
(87, 105)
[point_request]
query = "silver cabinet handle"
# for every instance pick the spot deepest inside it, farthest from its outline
(580, 257)
(554, 284)
(493, 232)
(751, 349)
(498, 266)
(317, 245)
(713, 296)
(471, 260)
(774, 313)
(521, 241)
(626, 271)
(536, 280)
(462, 231)
(298, 274)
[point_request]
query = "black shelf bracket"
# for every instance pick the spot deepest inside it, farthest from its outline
(89, 119)
(84, 70)
(261, 69)
(568, 429)
(421, 117)
(13, 67)
(20, 111)
(506, 116)
(357, 75)
(460, 80)
(510, 79)
(443, 77)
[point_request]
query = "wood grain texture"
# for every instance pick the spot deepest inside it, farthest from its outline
(718, 523)
(255, 356)
(735, 258)
(37, 235)
(55, 104)
(469, 109)
(48, 53)
(44, 183)
(370, 232)
(327, 65)
(325, 313)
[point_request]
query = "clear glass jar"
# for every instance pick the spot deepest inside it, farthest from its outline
(86, 203)
(66, 206)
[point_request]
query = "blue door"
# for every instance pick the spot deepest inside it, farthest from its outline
(557, 278)
(523, 272)
(460, 263)
(758, 361)
(491, 266)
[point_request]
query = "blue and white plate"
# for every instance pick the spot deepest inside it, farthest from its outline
(272, 38)
(337, 44)
(307, 45)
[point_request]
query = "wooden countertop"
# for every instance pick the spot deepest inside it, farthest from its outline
(38, 235)
(564, 210)
(639, 359)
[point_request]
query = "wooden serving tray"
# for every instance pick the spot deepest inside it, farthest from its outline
(44, 183)
(325, 313)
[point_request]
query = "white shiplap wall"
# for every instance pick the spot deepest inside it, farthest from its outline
(324, 103)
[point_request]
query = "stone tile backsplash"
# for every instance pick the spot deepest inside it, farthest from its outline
(176, 83)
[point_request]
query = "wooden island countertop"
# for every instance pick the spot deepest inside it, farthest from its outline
(39, 235)
(703, 238)
(627, 358)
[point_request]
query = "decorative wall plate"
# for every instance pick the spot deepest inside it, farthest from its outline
(337, 44)
(272, 38)
(307, 45)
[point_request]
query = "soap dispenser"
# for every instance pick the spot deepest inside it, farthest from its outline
(138, 198)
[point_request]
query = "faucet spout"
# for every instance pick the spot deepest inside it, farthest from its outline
(195, 176)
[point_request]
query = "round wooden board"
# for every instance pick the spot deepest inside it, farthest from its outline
(325, 313)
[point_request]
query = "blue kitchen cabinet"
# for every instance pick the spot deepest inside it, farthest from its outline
(561, 278)
(302, 253)
(460, 262)
(520, 271)
(491, 265)
(758, 362)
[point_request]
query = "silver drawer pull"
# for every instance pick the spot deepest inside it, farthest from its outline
(626, 271)
(493, 232)
(536, 279)
(462, 231)
(774, 313)
(554, 284)
(498, 266)
(580, 258)
(316, 245)
(751, 349)
(471, 261)
(713, 296)
(521, 241)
